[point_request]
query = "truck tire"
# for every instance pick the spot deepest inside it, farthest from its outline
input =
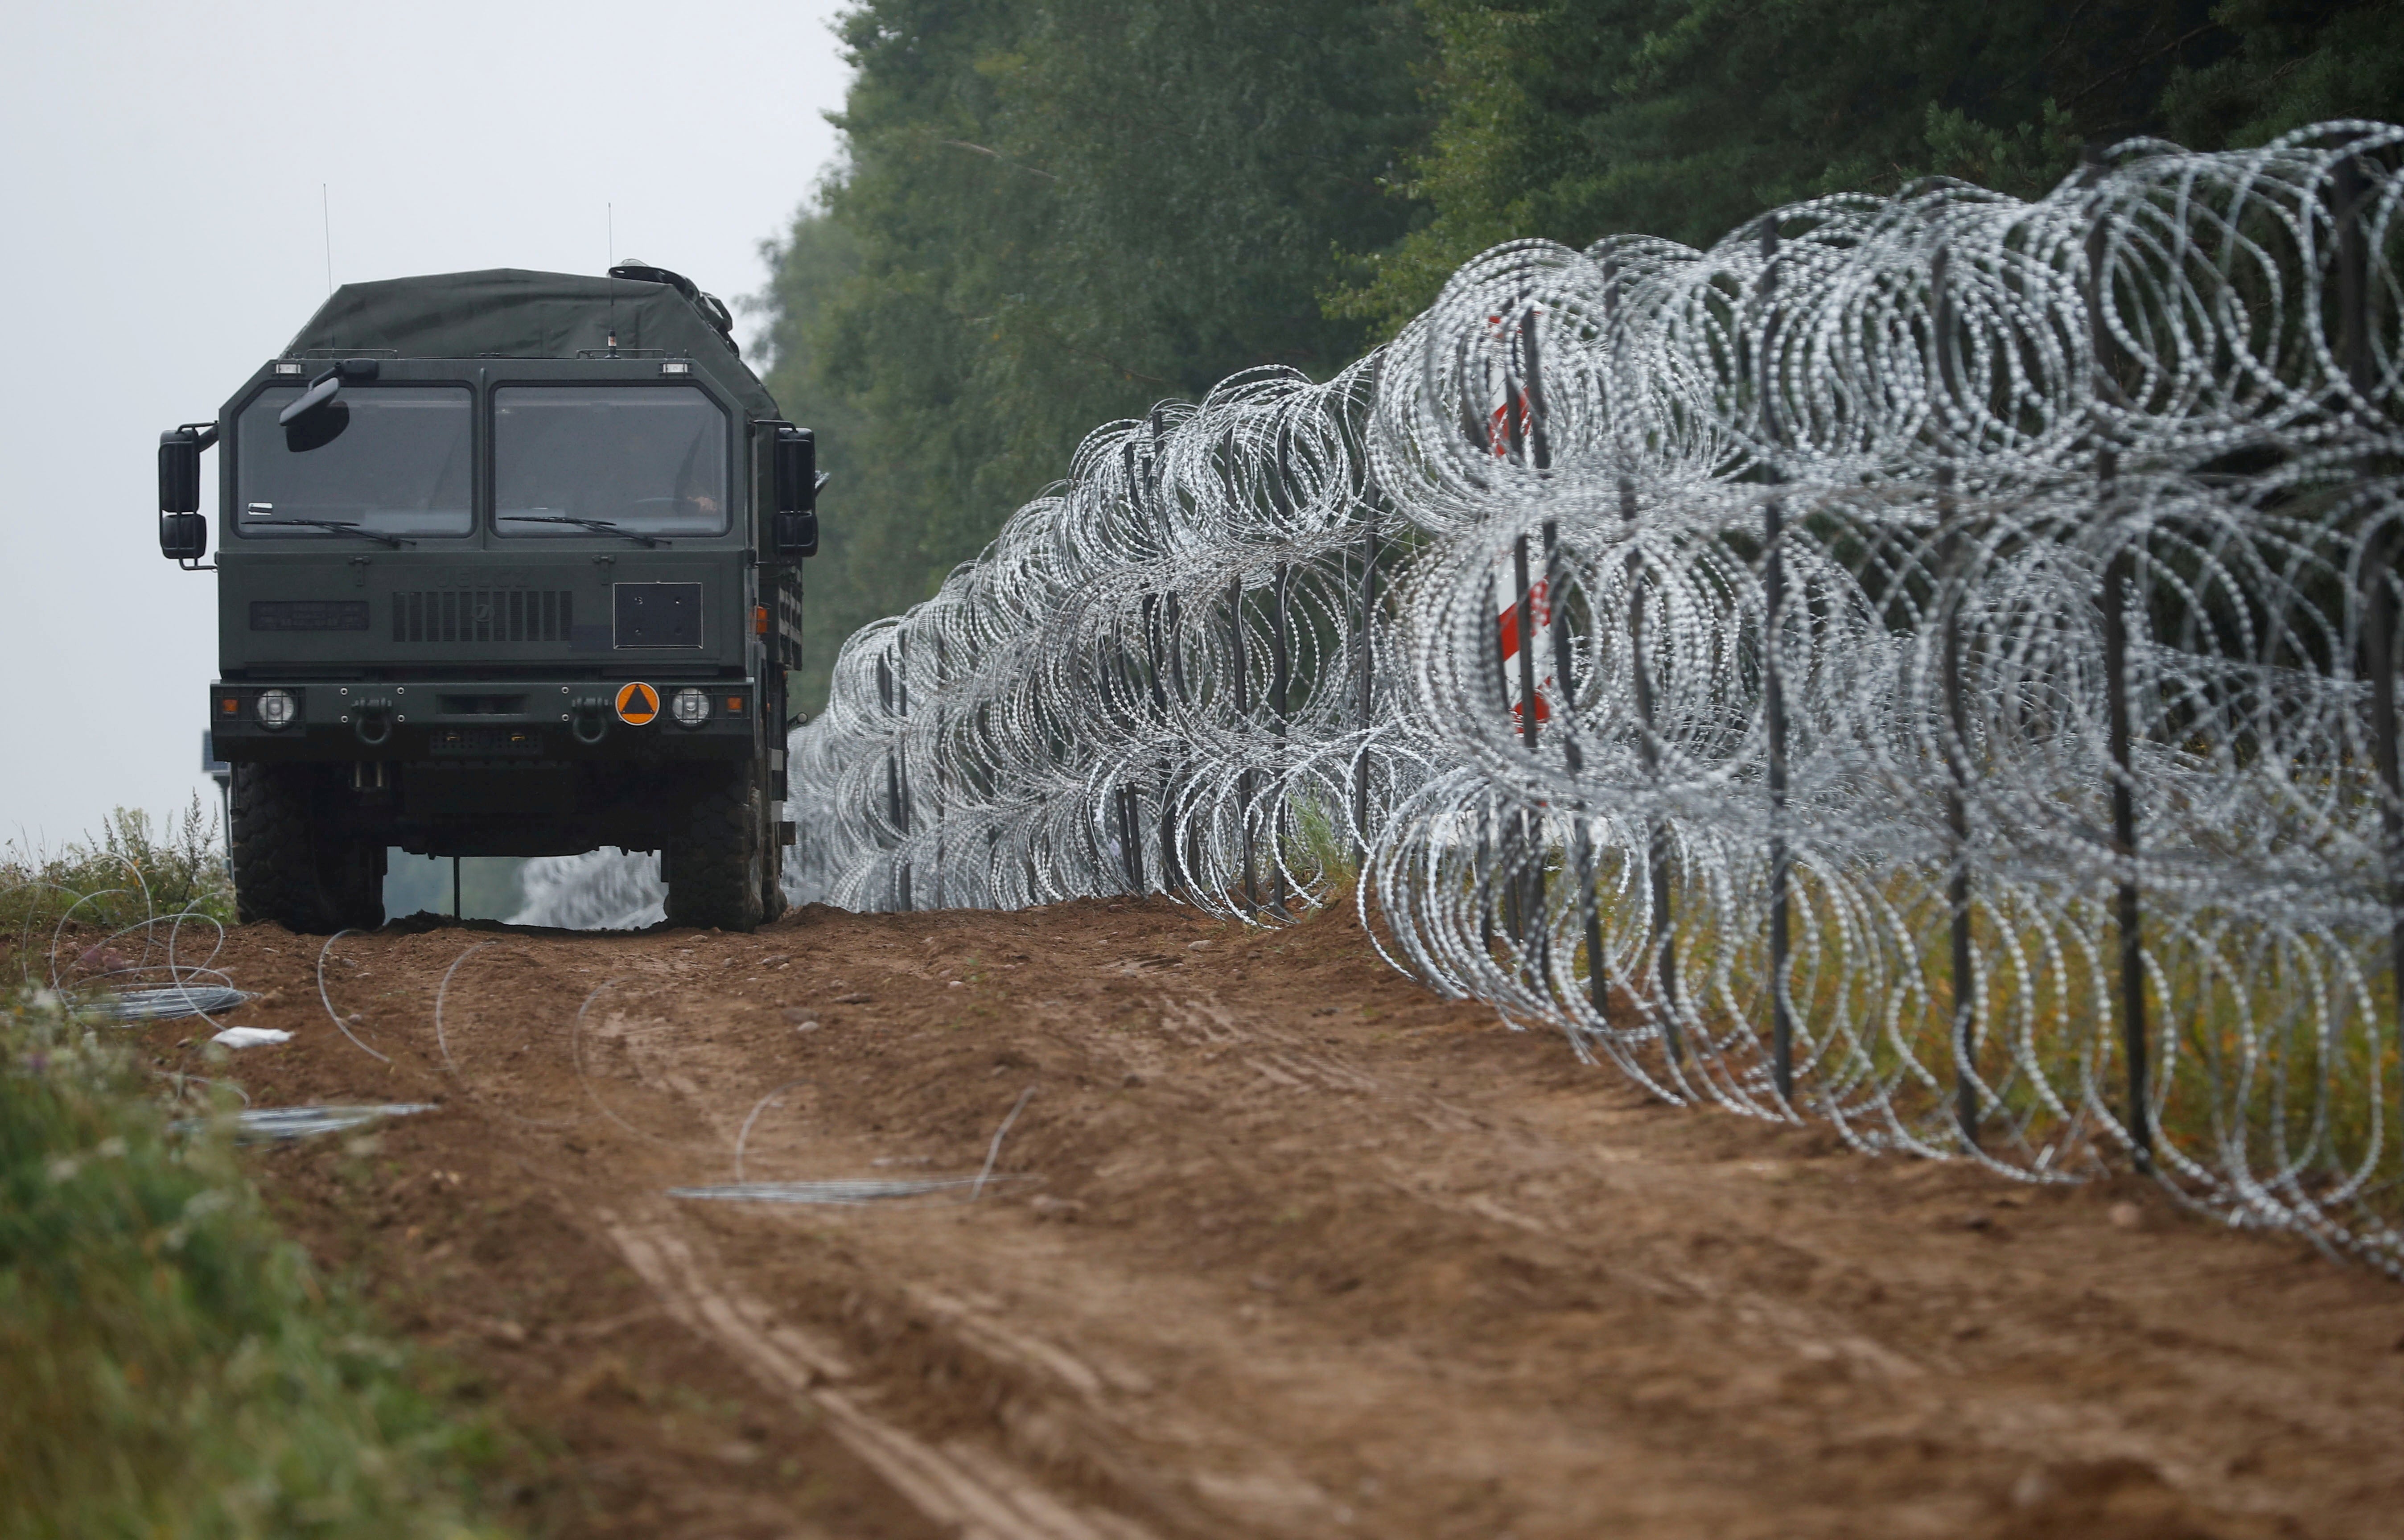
(717, 866)
(292, 863)
(772, 875)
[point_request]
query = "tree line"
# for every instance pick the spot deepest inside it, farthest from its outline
(1050, 215)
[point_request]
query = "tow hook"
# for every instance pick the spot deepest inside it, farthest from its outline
(589, 726)
(374, 725)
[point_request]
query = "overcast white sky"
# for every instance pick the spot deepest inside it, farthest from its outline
(164, 235)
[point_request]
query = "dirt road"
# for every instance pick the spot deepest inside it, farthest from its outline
(1286, 1248)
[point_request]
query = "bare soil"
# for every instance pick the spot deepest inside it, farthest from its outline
(1287, 1247)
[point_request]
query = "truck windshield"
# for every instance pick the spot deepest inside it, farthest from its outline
(402, 466)
(645, 459)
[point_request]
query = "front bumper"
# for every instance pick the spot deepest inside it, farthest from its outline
(483, 719)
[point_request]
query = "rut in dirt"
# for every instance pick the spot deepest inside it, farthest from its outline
(1279, 1245)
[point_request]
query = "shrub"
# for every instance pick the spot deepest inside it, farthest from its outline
(169, 1363)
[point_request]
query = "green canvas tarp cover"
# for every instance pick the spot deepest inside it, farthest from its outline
(510, 313)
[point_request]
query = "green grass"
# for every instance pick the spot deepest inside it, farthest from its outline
(169, 1363)
(2267, 1047)
(1320, 853)
(130, 872)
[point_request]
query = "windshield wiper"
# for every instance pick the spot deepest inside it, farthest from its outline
(342, 526)
(601, 525)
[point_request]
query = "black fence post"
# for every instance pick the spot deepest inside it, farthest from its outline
(2351, 193)
(1582, 840)
(897, 766)
(1498, 894)
(1368, 696)
(1160, 644)
(1507, 864)
(1782, 1022)
(1661, 936)
(1242, 664)
(1533, 443)
(942, 802)
(1165, 658)
(1529, 884)
(1664, 935)
(2120, 577)
(1280, 681)
(1366, 636)
(1129, 798)
(1157, 716)
(1953, 578)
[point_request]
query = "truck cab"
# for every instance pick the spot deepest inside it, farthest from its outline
(511, 565)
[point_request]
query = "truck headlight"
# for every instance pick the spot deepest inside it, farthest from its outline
(276, 708)
(690, 707)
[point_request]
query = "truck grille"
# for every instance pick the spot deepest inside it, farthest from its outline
(483, 615)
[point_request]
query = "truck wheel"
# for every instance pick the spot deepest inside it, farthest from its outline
(350, 871)
(291, 863)
(772, 876)
(717, 866)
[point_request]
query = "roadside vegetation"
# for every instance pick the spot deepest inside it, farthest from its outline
(169, 1363)
(133, 869)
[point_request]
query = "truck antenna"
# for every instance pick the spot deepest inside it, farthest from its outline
(326, 212)
(609, 212)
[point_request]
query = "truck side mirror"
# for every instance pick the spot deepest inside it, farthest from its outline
(182, 532)
(797, 535)
(797, 470)
(179, 468)
(183, 537)
(797, 494)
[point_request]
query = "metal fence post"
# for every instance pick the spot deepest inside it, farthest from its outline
(1664, 935)
(1366, 650)
(1507, 884)
(1242, 664)
(1782, 1023)
(1280, 680)
(943, 812)
(897, 766)
(1164, 657)
(2120, 577)
(1953, 578)
(1154, 672)
(1661, 936)
(1129, 800)
(1160, 644)
(1498, 894)
(2351, 193)
(1582, 841)
(1368, 695)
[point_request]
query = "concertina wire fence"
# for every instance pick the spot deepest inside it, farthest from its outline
(1926, 664)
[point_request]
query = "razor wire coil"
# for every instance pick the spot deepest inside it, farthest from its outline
(1787, 669)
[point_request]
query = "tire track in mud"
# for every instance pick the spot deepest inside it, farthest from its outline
(1301, 1250)
(954, 1487)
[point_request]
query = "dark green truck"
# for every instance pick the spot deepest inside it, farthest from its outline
(512, 567)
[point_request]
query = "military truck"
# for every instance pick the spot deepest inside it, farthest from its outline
(511, 565)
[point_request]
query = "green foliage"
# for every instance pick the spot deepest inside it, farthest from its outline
(2293, 64)
(1320, 854)
(131, 871)
(168, 1363)
(1579, 118)
(1053, 216)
